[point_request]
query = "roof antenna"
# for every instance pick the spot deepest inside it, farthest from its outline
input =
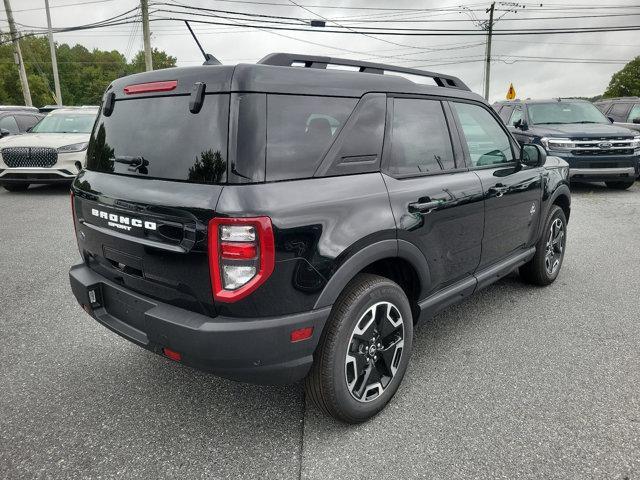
(208, 58)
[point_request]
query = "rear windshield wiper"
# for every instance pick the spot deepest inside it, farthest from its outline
(549, 123)
(136, 164)
(586, 121)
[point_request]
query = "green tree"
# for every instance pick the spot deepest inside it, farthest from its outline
(159, 58)
(84, 73)
(626, 82)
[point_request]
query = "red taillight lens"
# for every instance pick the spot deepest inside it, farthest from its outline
(241, 256)
(151, 87)
(238, 251)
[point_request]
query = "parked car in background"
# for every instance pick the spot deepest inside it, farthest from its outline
(623, 111)
(52, 152)
(576, 131)
(271, 222)
(17, 119)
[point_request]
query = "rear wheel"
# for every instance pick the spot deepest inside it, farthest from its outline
(364, 350)
(620, 185)
(16, 187)
(544, 267)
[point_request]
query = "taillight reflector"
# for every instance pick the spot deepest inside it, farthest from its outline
(251, 263)
(301, 334)
(151, 87)
(238, 250)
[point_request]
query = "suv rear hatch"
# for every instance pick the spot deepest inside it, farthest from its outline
(156, 165)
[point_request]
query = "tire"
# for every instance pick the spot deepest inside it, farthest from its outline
(369, 304)
(551, 245)
(16, 187)
(620, 185)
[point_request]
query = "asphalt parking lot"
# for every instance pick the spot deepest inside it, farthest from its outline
(517, 382)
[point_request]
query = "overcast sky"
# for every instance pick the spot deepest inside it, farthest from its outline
(234, 44)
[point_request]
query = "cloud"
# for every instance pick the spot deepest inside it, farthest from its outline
(544, 77)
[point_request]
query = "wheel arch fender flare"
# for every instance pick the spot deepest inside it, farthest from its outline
(366, 256)
(562, 190)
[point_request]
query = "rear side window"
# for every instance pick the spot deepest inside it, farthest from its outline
(420, 140)
(25, 122)
(300, 129)
(158, 137)
(619, 111)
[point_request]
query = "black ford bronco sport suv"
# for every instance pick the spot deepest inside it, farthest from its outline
(577, 132)
(284, 220)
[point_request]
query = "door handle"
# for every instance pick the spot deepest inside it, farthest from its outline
(425, 207)
(499, 190)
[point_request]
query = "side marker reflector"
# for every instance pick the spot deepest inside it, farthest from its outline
(301, 334)
(172, 354)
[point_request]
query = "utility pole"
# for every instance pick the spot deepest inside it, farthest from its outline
(54, 60)
(148, 61)
(18, 53)
(487, 64)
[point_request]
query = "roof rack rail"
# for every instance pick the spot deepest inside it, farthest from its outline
(314, 61)
(618, 98)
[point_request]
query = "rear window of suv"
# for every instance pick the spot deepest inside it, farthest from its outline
(300, 129)
(159, 137)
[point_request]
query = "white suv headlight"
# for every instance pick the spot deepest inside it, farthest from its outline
(557, 143)
(636, 141)
(75, 147)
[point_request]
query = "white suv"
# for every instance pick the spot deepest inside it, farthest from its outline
(53, 151)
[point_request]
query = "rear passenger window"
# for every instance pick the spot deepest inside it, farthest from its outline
(487, 142)
(300, 129)
(420, 140)
(619, 111)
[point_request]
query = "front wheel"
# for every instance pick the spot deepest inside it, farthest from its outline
(364, 350)
(544, 267)
(620, 185)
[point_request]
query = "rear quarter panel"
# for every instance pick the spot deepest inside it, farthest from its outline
(318, 224)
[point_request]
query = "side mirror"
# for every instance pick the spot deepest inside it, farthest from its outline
(611, 119)
(636, 120)
(4, 132)
(533, 155)
(521, 124)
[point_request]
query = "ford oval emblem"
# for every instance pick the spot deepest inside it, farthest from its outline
(605, 145)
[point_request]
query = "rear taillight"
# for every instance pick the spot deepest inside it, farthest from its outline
(241, 255)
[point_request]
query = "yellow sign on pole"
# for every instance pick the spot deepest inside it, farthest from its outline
(511, 93)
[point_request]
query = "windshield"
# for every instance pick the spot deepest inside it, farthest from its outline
(66, 123)
(564, 112)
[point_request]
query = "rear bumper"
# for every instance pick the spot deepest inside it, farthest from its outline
(255, 350)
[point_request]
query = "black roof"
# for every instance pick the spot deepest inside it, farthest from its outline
(312, 80)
